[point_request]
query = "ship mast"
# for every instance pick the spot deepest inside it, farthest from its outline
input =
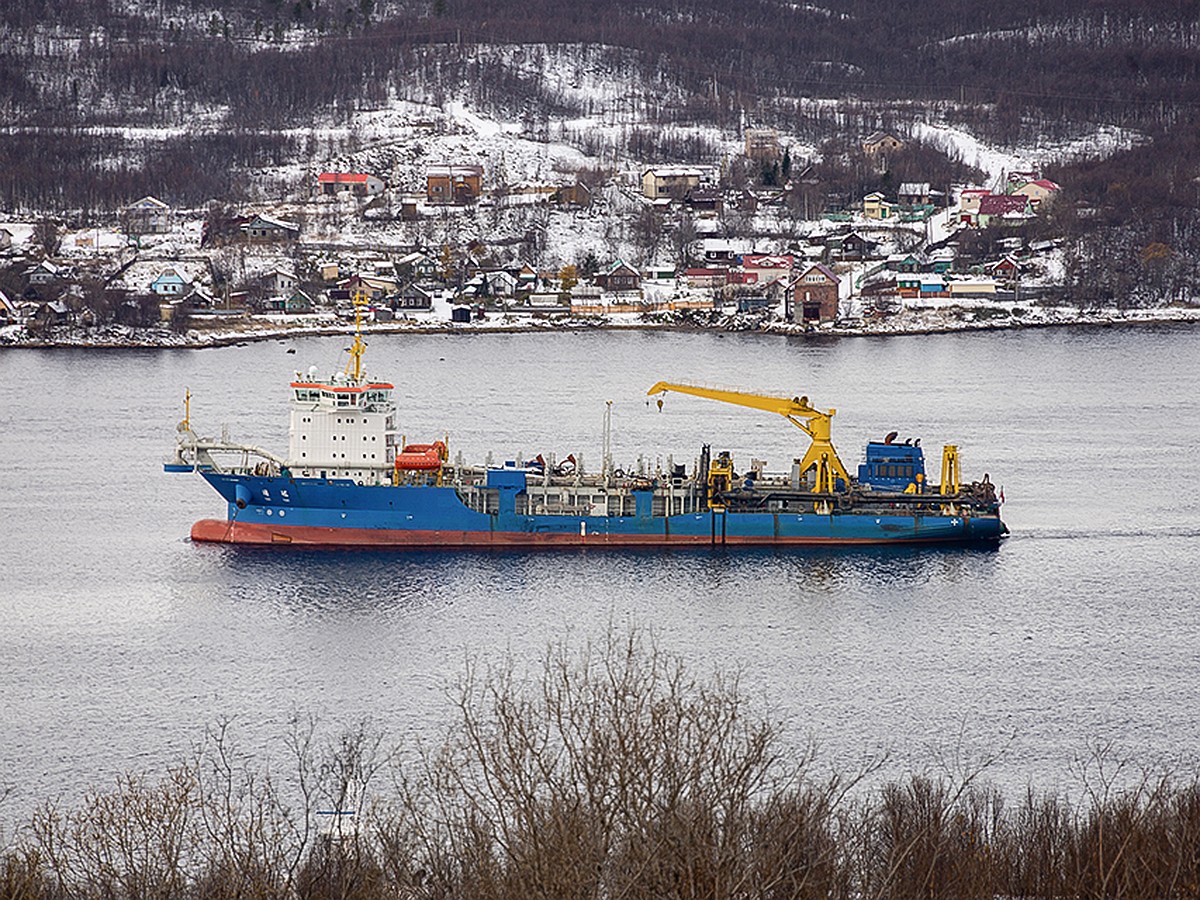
(359, 347)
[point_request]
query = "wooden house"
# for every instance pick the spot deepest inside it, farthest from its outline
(760, 269)
(915, 193)
(279, 281)
(620, 276)
(1038, 191)
(147, 216)
(1006, 269)
(762, 144)
(881, 143)
(577, 194)
(453, 184)
(264, 229)
(170, 283)
(297, 302)
(874, 206)
(851, 246)
(670, 181)
(414, 297)
(43, 273)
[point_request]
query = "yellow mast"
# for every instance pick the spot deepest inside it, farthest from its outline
(186, 424)
(798, 411)
(359, 347)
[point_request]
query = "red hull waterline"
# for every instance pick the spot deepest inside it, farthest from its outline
(224, 532)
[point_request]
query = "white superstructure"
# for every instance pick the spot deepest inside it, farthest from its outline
(342, 427)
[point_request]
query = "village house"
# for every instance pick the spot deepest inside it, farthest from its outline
(267, 230)
(453, 184)
(915, 193)
(620, 276)
(881, 143)
(369, 287)
(199, 299)
(762, 144)
(671, 182)
(170, 283)
(8, 309)
(849, 247)
(761, 270)
(296, 303)
(874, 206)
(704, 279)
(279, 281)
(905, 262)
(357, 183)
(419, 266)
(491, 283)
(718, 252)
(997, 208)
(932, 286)
(147, 216)
(43, 273)
(880, 147)
(577, 194)
(1005, 269)
(705, 200)
(414, 297)
(908, 285)
(526, 275)
(1038, 191)
(56, 312)
(6, 239)
(328, 271)
(968, 204)
(813, 295)
(1018, 177)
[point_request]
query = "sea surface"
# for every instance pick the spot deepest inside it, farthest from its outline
(121, 641)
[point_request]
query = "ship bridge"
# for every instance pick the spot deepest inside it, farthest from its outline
(343, 427)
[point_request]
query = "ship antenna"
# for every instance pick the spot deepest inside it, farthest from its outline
(359, 347)
(186, 424)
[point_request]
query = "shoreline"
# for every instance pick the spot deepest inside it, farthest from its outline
(910, 323)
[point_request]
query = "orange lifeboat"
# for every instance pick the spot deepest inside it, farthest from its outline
(421, 457)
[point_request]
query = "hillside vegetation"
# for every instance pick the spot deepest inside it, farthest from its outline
(190, 100)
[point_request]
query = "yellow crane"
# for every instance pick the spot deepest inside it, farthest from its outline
(821, 454)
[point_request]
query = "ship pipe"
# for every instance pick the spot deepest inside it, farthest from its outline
(241, 496)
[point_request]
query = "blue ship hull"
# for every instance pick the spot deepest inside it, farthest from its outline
(341, 513)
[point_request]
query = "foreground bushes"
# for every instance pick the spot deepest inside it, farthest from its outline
(613, 773)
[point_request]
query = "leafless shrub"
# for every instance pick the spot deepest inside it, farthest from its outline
(610, 771)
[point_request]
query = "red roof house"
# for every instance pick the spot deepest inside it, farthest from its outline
(358, 183)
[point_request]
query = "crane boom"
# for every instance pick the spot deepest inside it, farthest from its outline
(812, 421)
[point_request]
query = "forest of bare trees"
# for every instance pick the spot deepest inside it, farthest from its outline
(74, 73)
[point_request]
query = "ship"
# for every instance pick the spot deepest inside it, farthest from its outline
(348, 482)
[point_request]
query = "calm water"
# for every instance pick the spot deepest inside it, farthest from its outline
(120, 640)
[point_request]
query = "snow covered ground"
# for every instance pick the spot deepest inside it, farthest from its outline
(997, 162)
